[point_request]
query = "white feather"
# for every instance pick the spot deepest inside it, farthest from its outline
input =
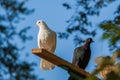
(46, 40)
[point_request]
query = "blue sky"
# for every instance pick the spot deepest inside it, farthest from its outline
(55, 15)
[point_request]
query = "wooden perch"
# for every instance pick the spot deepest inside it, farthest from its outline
(59, 61)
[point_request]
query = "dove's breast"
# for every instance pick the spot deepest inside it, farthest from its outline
(45, 40)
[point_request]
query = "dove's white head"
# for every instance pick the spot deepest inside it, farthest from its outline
(41, 23)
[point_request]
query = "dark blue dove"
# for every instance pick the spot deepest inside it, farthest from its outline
(82, 55)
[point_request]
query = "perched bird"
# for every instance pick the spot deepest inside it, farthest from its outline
(82, 55)
(47, 41)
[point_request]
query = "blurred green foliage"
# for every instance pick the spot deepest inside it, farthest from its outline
(111, 33)
(11, 66)
(107, 67)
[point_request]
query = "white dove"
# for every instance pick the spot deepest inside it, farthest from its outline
(47, 41)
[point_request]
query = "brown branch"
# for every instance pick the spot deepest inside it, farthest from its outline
(59, 61)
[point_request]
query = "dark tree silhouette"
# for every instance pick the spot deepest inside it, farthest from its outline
(11, 67)
(80, 23)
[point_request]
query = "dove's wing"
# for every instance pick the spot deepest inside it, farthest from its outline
(52, 42)
(78, 55)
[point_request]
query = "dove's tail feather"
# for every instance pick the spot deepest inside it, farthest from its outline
(45, 65)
